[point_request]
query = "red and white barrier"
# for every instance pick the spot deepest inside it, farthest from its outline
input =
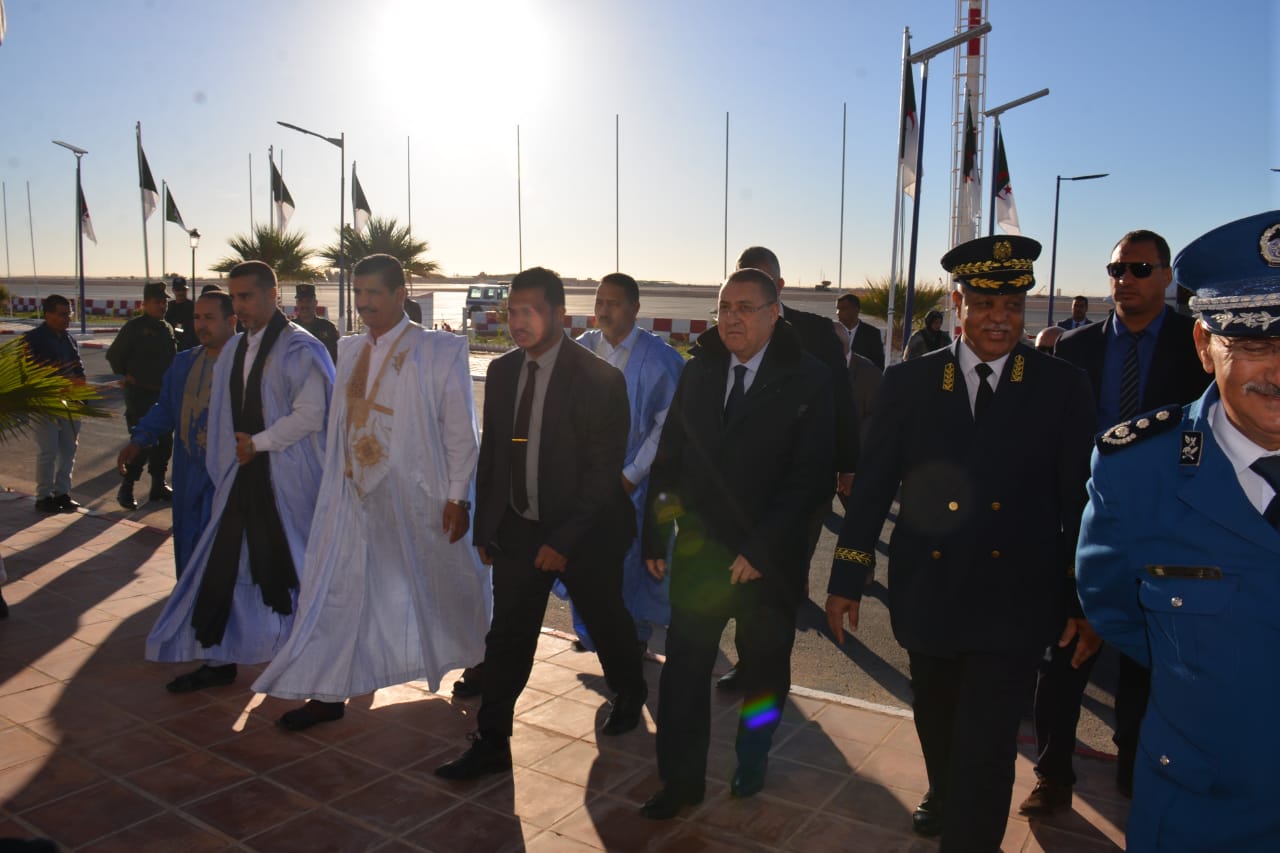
(667, 328)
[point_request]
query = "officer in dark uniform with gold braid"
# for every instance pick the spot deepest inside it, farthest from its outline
(141, 353)
(989, 441)
(304, 308)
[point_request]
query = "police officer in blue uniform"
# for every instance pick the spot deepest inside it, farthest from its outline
(1178, 562)
(989, 441)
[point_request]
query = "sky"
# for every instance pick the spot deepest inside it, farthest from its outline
(1176, 100)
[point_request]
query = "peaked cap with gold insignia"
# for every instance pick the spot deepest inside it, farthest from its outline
(1000, 265)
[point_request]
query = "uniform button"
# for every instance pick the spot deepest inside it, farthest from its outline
(995, 555)
(1176, 601)
(1164, 761)
(937, 555)
(953, 506)
(995, 505)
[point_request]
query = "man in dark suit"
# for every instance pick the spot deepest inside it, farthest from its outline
(819, 339)
(1141, 357)
(858, 336)
(744, 460)
(1079, 314)
(550, 505)
(992, 481)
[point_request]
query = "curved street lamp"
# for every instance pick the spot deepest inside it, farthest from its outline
(1053, 259)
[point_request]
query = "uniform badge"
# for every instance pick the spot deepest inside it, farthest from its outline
(1269, 245)
(1019, 365)
(1191, 447)
(397, 360)
(949, 377)
(1002, 250)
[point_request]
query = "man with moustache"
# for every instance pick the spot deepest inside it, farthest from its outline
(744, 461)
(550, 504)
(1140, 357)
(265, 443)
(652, 368)
(988, 443)
(393, 594)
(1079, 314)
(183, 412)
(304, 312)
(1178, 554)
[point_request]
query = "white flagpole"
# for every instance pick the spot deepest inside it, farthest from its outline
(35, 277)
(844, 145)
(251, 194)
(8, 275)
(725, 274)
(164, 218)
(896, 243)
(271, 188)
(142, 201)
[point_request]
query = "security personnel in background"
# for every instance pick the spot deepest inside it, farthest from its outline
(988, 441)
(181, 314)
(304, 309)
(141, 353)
(1179, 561)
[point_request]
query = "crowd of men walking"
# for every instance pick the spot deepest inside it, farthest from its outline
(321, 516)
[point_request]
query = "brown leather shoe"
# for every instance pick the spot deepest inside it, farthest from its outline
(1046, 798)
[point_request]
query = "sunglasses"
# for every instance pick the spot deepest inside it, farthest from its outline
(1140, 269)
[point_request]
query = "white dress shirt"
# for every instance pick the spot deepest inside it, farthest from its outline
(1241, 452)
(969, 362)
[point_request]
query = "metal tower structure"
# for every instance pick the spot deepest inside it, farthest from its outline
(969, 88)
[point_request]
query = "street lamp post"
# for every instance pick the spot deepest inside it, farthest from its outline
(79, 152)
(340, 142)
(994, 114)
(1053, 255)
(194, 236)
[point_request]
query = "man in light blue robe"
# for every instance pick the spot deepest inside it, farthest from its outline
(183, 410)
(267, 409)
(652, 368)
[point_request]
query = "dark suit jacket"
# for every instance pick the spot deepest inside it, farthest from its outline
(868, 343)
(1069, 324)
(583, 441)
(818, 338)
(1175, 375)
(751, 485)
(980, 558)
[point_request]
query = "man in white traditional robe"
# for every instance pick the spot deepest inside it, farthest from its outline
(234, 602)
(392, 593)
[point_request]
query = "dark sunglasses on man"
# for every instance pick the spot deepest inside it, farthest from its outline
(1140, 269)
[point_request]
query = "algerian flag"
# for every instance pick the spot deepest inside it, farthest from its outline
(360, 213)
(1006, 210)
(171, 213)
(150, 197)
(85, 222)
(281, 198)
(910, 133)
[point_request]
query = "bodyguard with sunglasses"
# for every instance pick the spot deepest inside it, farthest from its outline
(1178, 562)
(1140, 357)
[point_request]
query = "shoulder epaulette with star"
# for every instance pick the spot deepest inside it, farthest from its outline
(1132, 431)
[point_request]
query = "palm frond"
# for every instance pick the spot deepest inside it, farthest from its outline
(31, 390)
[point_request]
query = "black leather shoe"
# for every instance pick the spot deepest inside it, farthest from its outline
(161, 492)
(487, 754)
(668, 802)
(927, 818)
(730, 681)
(47, 504)
(65, 503)
(1046, 798)
(124, 496)
(628, 709)
(205, 676)
(748, 779)
(470, 685)
(315, 711)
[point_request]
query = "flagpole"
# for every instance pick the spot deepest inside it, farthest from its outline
(725, 273)
(915, 205)
(251, 194)
(844, 142)
(142, 201)
(519, 206)
(995, 177)
(8, 274)
(896, 242)
(164, 201)
(408, 192)
(344, 305)
(617, 197)
(271, 184)
(35, 276)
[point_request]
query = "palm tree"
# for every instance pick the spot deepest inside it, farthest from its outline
(875, 303)
(281, 250)
(29, 389)
(385, 235)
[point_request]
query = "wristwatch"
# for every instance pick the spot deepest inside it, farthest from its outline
(466, 505)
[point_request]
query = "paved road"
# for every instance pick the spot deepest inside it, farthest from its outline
(871, 666)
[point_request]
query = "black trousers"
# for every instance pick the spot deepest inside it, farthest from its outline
(967, 712)
(520, 602)
(702, 602)
(1059, 691)
(1133, 689)
(137, 402)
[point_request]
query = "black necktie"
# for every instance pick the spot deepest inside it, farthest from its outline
(738, 391)
(1268, 468)
(520, 444)
(1130, 378)
(985, 391)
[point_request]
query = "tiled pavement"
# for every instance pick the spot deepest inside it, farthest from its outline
(96, 755)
